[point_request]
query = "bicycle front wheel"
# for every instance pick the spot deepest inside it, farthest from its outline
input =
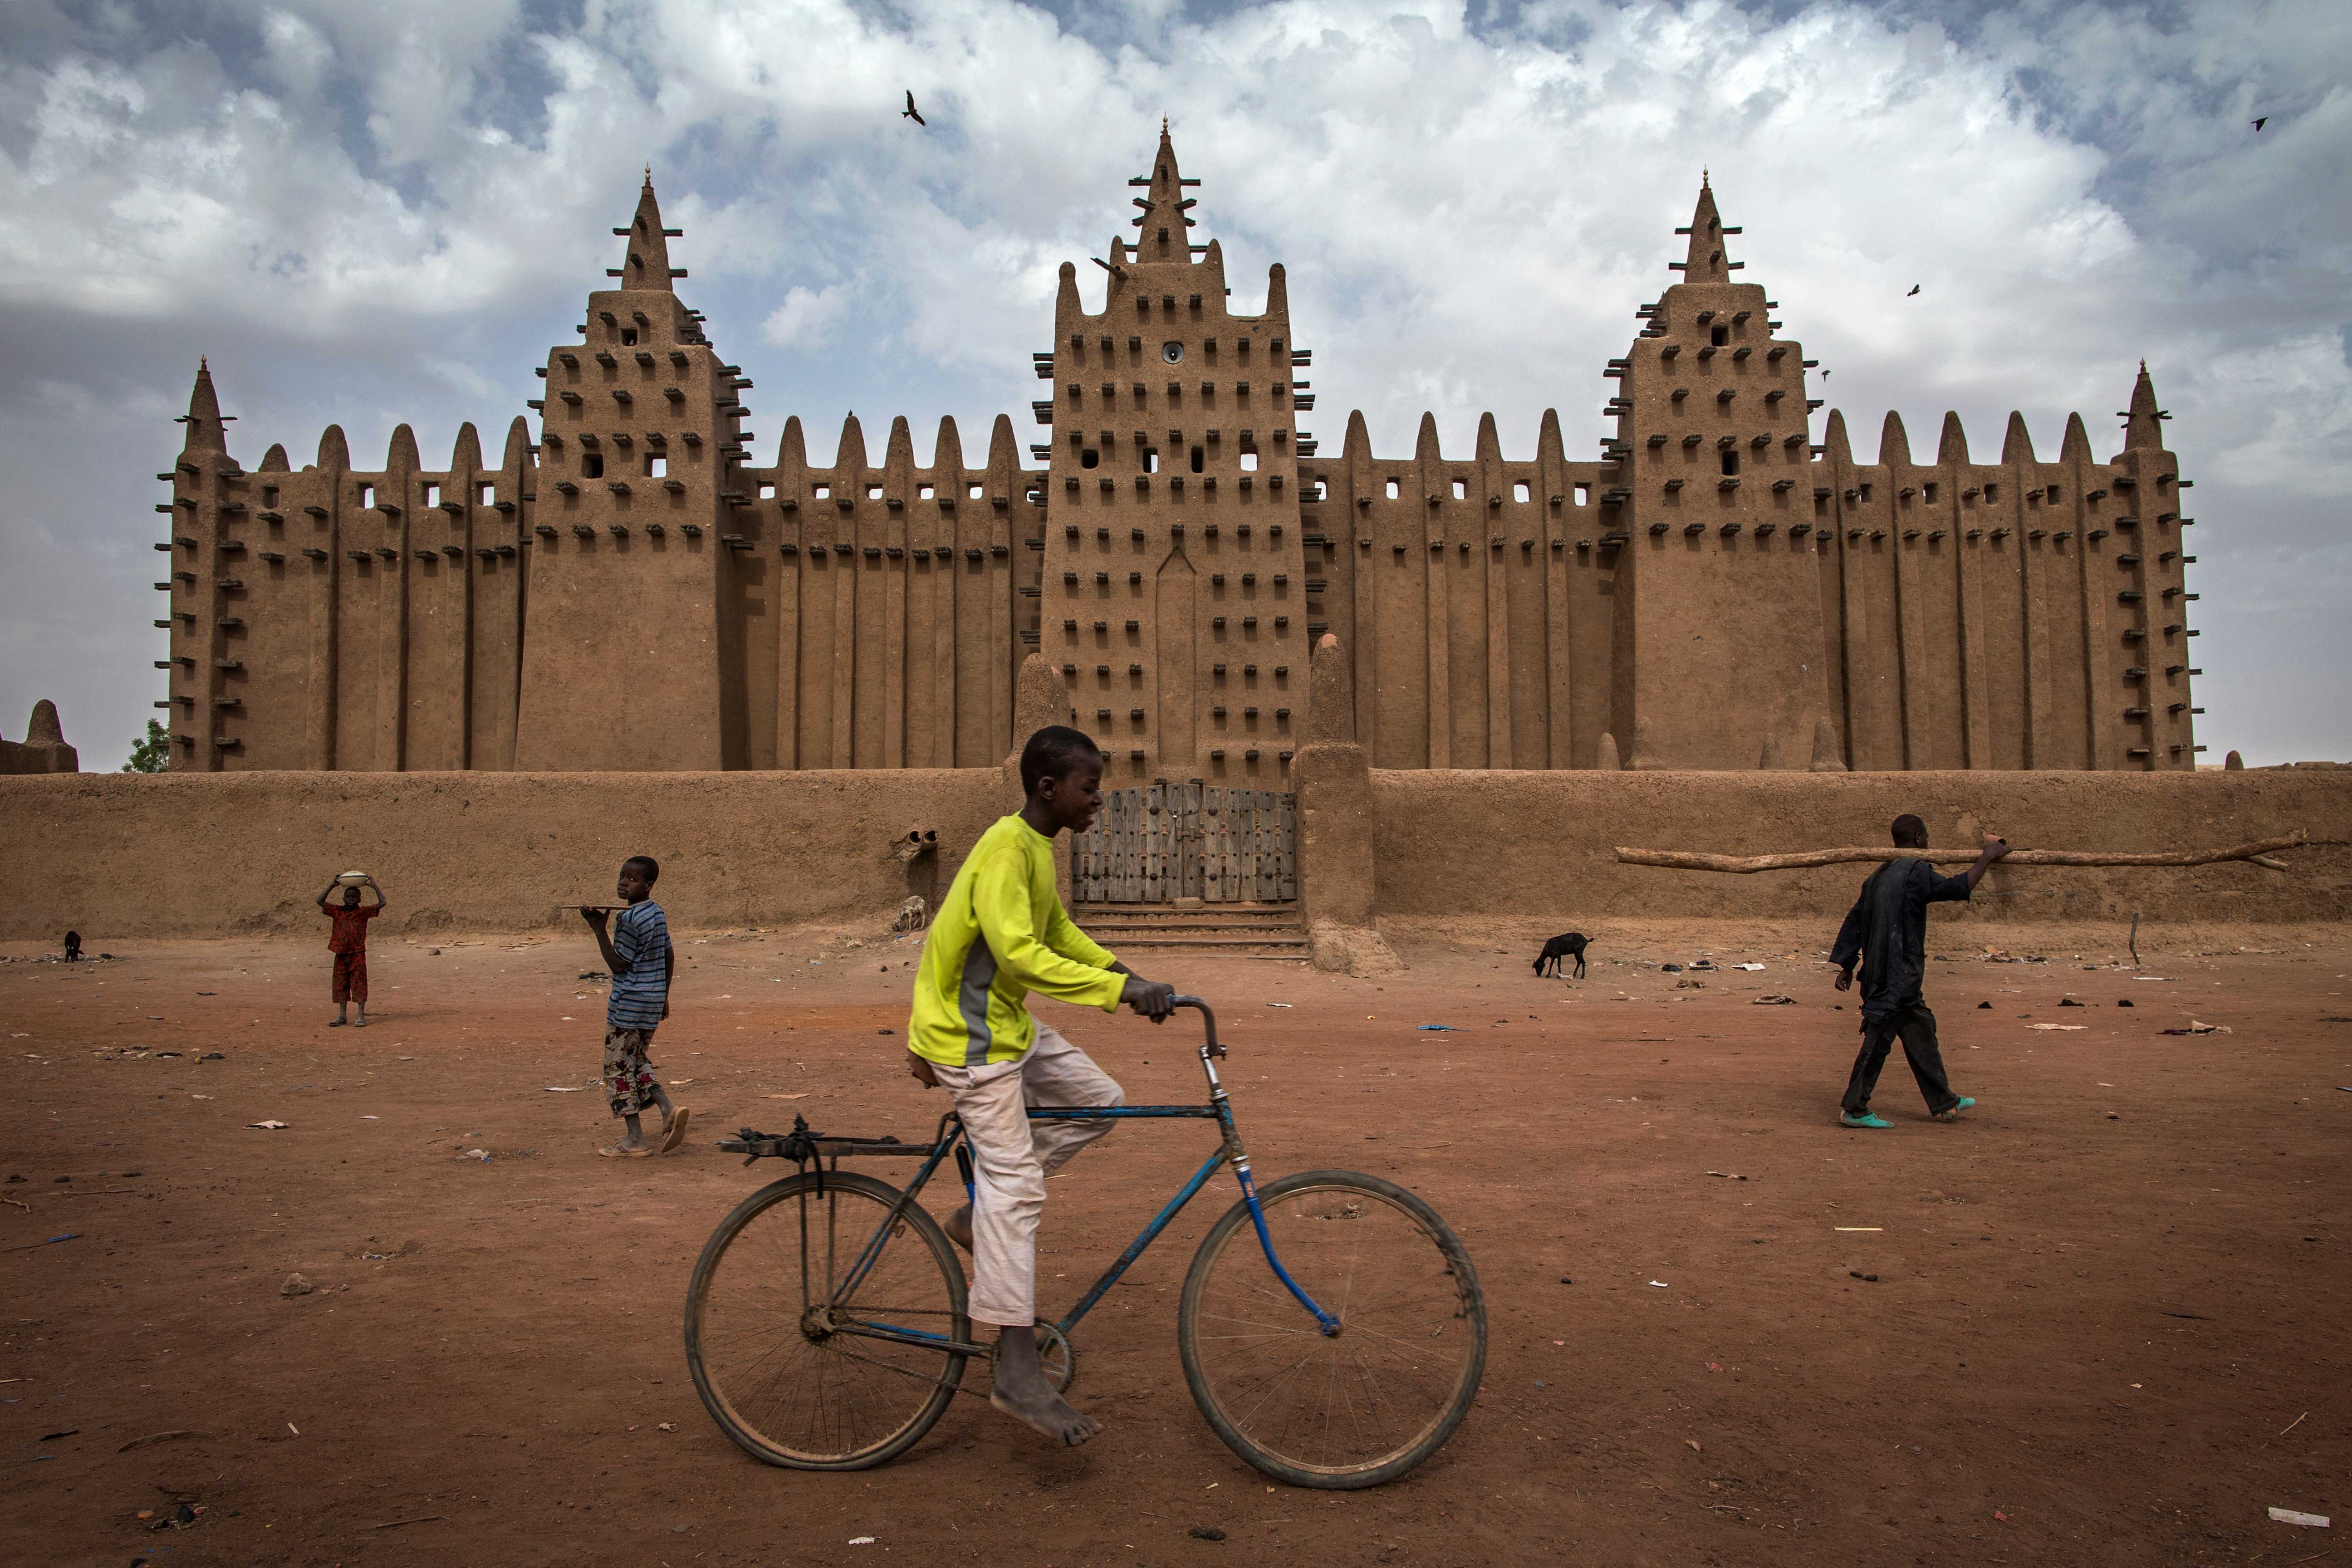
(1345, 1410)
(821, 1332)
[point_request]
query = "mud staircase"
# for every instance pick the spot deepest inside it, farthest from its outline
(1232, 930)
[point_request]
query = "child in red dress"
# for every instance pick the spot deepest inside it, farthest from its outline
(347, 940)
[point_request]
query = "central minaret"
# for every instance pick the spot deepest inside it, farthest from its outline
(1173, 592)
(1719, 627)
(632, 657)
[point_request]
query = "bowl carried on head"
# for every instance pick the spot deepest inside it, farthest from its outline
(351, 880)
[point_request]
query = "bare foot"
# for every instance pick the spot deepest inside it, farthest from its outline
(1023, 1392)
(959, 1227)
(1046, 1412)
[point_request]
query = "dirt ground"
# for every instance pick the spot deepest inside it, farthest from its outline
(2107, 1326)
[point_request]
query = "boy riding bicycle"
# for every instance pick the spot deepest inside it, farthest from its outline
(1001, 932)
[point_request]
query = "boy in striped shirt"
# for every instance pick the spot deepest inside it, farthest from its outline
(1001, 933)
(637, 950)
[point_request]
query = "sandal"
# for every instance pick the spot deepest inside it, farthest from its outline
(676, 1133)
(619, 1152)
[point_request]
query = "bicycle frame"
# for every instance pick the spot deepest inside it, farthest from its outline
(952, 1141)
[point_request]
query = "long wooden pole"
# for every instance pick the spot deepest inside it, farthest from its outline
(1744, 864)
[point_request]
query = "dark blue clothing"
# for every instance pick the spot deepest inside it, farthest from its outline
(1887, 930)
(641, 990)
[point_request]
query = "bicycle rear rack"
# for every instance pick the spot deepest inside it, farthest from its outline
(803, 1144)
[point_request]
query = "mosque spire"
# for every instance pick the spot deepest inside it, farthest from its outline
(206, 431)
(1706, 262)
(1162, 223)
(645, 263)
(2143, 421)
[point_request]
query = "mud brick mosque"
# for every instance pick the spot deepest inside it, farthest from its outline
(628, 589)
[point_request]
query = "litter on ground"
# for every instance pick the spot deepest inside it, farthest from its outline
(2294, 1516)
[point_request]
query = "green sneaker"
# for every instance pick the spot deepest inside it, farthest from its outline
(1848, 1118)
(1954, 1113)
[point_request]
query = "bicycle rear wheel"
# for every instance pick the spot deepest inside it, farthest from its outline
(1351, 1409)
(813, 1346)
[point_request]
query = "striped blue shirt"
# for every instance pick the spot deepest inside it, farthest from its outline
(640, 991)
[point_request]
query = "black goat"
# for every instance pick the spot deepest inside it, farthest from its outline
(73, 947)
(1567, 944)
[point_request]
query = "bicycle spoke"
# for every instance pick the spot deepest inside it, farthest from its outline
(1381, 1391)
(786, 1370)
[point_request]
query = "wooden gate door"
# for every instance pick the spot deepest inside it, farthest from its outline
(1160, 842)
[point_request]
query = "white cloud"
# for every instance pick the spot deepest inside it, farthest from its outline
(373, 214)
(806, 318)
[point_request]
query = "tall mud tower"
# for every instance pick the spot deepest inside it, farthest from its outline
(1173, 592)
(1719, 630)
(631, 655)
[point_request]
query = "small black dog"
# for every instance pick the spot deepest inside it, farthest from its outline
(1567, 944)
(73, 947)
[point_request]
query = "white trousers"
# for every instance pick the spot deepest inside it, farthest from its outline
(1011, 1156)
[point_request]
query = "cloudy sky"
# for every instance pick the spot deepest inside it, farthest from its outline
(372, 212)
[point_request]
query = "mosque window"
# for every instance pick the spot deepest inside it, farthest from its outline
(628, 337)
(1391, 490)
(1199, 460)
(1249, 462)
(1461, 489)
(367, 495)
(1718, 336)
(1730, 460)
(1519, 493)
(658, 467)
(1927, 492)
(824, 492)
(592, 465)
(1151, 459)
(1584, 494)
(489, 495)
(1089, 458)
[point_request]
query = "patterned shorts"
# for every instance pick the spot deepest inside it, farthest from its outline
(628, 1075)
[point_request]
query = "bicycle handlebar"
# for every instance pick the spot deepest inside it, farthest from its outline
(1208, 1022)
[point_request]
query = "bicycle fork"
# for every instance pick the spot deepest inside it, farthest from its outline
(1233, 1150)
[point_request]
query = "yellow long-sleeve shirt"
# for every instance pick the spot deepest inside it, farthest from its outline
(1000, 933)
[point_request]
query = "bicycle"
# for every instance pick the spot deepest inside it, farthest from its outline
(825, 1323)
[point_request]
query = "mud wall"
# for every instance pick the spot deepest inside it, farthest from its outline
(1527, 843)
(116, 856)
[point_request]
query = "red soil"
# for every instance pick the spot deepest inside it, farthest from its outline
(2103, 1302)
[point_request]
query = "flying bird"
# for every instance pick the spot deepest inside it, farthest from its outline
(1915, 288)
(2262, 121)
(908, 112)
